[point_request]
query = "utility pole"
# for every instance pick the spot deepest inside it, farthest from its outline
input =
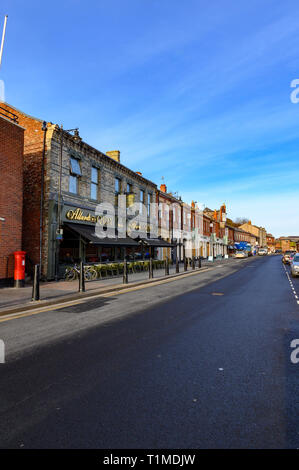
(3, 38)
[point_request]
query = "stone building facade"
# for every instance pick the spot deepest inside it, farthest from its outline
(259, 232)
(89, 177)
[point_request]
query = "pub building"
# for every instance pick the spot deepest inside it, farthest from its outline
(75, 178)
(89, 177)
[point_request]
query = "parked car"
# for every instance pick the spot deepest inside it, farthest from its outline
(295, 265)
(241, 254)
(262, 252)
(287, 257)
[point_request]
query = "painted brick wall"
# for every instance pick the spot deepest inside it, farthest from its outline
(11, 194)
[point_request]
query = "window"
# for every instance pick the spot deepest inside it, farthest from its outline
(75, 167)
(149, 200)
(142, 199)
(117, 185)
(73, 184)
(94, 183)
(160, 214)
(75, 172)
(129, 188)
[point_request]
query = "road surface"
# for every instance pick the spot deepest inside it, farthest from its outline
(203, 362)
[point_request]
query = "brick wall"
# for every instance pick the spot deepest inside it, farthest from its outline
(11, 194)
(33, 151)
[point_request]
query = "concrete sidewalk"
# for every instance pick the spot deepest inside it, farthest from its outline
(11, 298)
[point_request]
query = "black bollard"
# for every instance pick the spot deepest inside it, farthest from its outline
(177, 265)
(150, 270)
(193, 262)
(199, 262)
(185, 262)
(35, 288)
(125, 275)
(166, 266)
(81, 278)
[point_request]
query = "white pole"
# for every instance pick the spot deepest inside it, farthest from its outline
(3, 37)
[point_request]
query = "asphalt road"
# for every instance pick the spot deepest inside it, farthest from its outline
(203, 362)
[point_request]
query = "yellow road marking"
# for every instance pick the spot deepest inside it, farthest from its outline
(85, 299)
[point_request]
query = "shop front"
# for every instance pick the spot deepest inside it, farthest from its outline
(79, 241)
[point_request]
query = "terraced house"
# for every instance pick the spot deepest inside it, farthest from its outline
(170, 224)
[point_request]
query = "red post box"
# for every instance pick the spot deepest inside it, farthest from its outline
(19, 274)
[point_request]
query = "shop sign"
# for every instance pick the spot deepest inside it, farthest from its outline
(78, 215)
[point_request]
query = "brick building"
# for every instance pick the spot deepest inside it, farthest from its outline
(169, 223)
(197, 222)
(258, 232)
(271, 242)
(218, 243)
(287, 243)
(242, 236)
(76, 180)
(11, 192)
(32, 160)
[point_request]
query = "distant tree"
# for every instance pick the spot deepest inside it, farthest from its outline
(241, 220)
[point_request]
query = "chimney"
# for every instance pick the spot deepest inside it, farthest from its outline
(115, 154)
(163, 188)
(138, 173)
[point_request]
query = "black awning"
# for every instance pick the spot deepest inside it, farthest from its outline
(88, 232)
(156, 242)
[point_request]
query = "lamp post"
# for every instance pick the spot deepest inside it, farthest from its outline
(76, 139)
(41, 214)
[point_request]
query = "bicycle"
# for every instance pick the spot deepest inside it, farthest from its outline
(73, 272)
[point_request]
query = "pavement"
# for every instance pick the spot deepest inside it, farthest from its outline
(199, 362)
(10, 298)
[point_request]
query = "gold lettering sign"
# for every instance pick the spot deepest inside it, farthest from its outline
(77, 214)
(140, 226)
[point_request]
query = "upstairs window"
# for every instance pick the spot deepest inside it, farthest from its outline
(75, 167)
(94, 183)
(117, 184)
(149, 200)
(142, 200)
(75, 173)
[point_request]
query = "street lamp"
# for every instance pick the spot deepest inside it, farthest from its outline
(76, 139)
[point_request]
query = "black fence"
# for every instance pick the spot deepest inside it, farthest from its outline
(9, 115)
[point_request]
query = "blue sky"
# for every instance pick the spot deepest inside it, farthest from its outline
(195, 91)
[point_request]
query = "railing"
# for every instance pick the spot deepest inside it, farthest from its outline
(8, 114)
